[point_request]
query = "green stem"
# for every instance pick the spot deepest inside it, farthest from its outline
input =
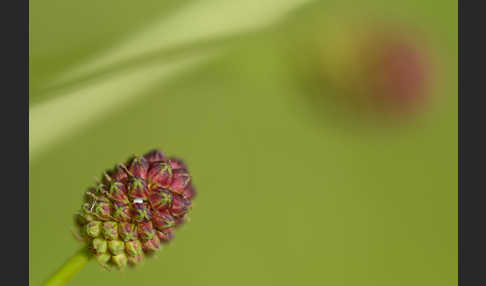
(69, 269)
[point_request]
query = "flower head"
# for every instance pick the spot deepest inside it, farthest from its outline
(134, 209)
(369, 66)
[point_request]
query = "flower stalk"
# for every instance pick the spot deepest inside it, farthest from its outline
(72, 266)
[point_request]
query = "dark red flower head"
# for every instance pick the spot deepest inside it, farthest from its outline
(134, 209)
(155, 156)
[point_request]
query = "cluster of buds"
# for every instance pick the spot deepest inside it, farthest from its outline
(134, 208)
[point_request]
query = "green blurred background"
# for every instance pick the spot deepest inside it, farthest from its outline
(287, 195)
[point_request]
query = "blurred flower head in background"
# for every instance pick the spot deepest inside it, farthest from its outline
(377, 67)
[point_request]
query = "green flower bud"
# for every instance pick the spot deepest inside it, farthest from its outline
(102, 210)
(99, 245)
(116, 247)
(103, 259)
(120, 260)
(133, 248)
(110, 230)
(93, 228)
